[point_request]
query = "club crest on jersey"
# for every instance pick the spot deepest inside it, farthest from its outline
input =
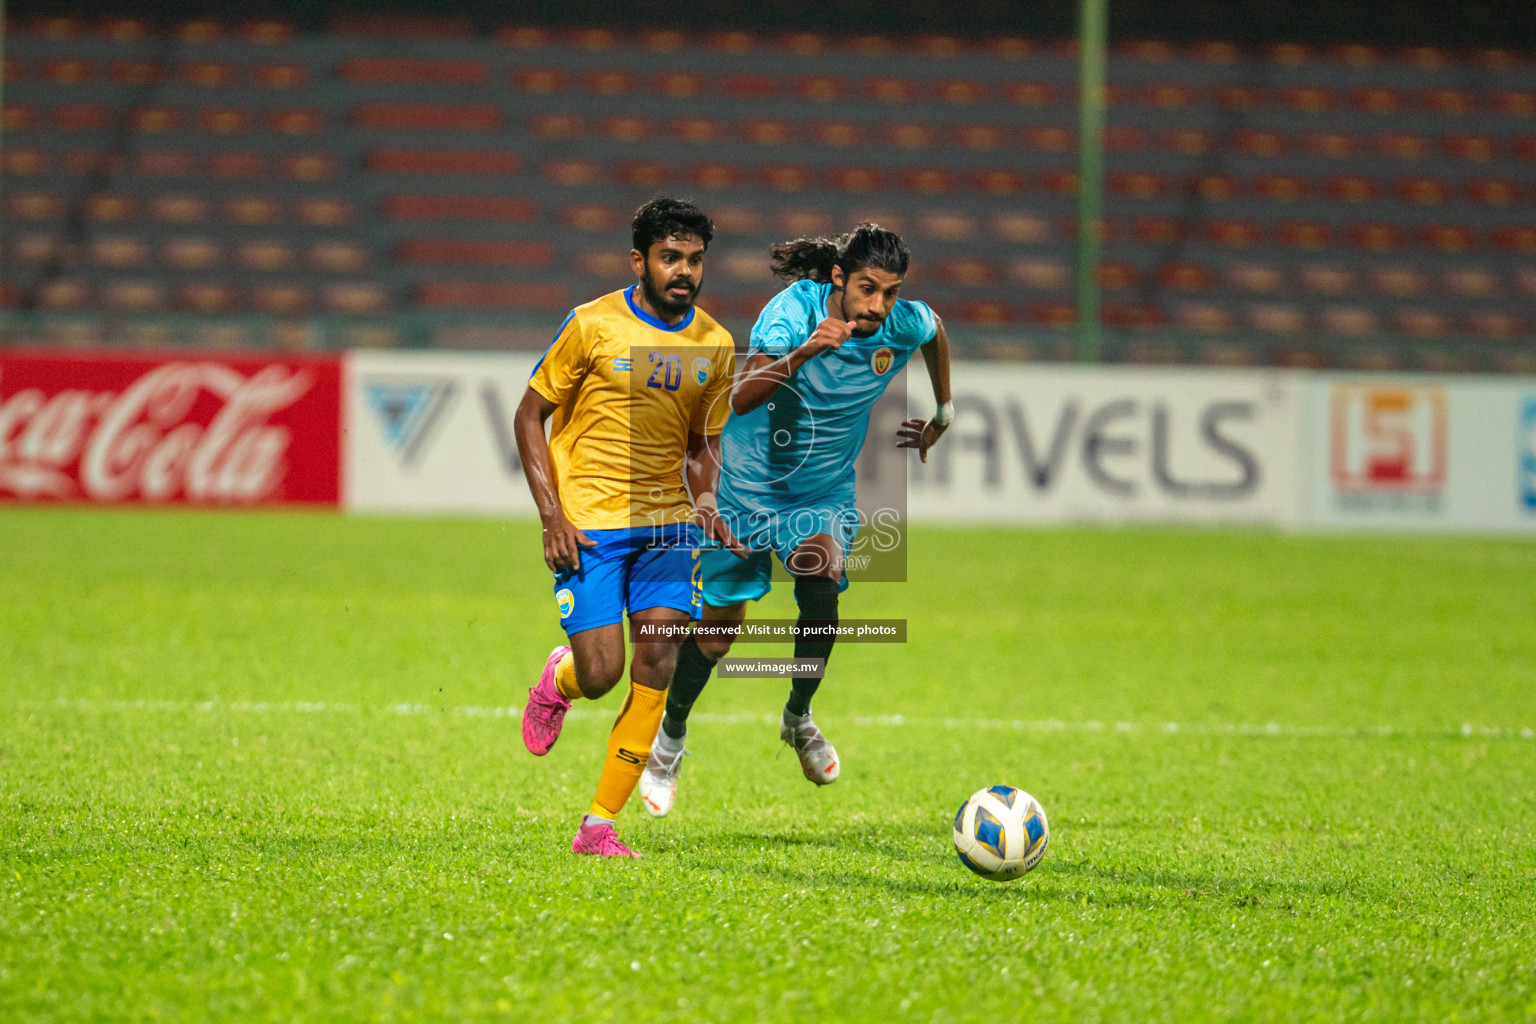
(701, 369)
(881, 360)
(567, 602)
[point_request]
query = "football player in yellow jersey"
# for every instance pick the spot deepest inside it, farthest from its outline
(638, 383)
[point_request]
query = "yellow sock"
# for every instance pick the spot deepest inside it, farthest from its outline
(629, 745)
(565, 677)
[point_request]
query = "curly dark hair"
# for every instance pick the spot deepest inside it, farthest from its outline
(665, 217)
(868, 245)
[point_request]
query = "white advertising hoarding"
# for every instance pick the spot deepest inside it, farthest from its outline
(432, 432)
(1051, 443)
(1426, 453)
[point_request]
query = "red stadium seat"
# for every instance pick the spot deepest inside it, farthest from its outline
(573, 173)
(280, 76)
(56, 29)
(1215, 188)
(987, 312)
(1124, 138)
(785, 177)
(1495, 59)
(1289, 54)
(209, 74)
(415, 71)
(252, 210)
(1493, 191)
(1051, 139)
(586, 217)
(1327, 279)
(295, 121)
(556, 127)
(820, 88)
(1158, 230)
(838, 133)
(237, 165)
(124, 30)
(929, 180)
(92, 117)
(737, 220)
(1185, 277)
(1280, 188)
(1215, 52)
(191, 253)
(1203, 317)
(871, 46)
(732, 42)
(1334, 145)
(1060, 182)
(610, 83)
(323, 212)
(1352, 189)
(1255, 142)
(715, 175)
(1470, 282)
(307, 166)
(1239, 234)
(120, 252)
(1041, 275)
(748, 85)
(968, 273)
(1400, 145)
(1238, 97)
(1020, 228)
(804, 44)
(443, 161)
(890, 90)
(1448, 238)
(1452, 102)
(593, 40)
(64, 293)
(1423, 191)
(959, 91)
(541, 81)
(1033, 94)
(909, 136)
(1493, 323)
(1009, 47)
(1255, 278)
(179, 208)
(1151, 51)
(627, 129)
(470, 294)
(207, 298)
(110, 208)
(266, 32)
(26, 162)
(678, 85)
(66, 71)
(855, 179)
(701, 131)
(33, 248)
(224, 120)
(1515, 238)
(1425, 58)
(1377, 100)
(1138, 184)
(1523, 147)
(136, 72)
(938, 47)
(133, 296)
(458, 207)
(1132, 316)
(1053, 314)
(768, 133)
(199, 31)
(470, 251)
(664, 41)
(643, 173)
(155, 120)
(165, 163)
(1277, 318)
(1480, 148)
(798, 222)
(1351, 321)
(1512, 103)
(358, 298)
(608, 263)
(1355, 55)
(982, 138)
(1421, 323)
(1375, 237)
(337, 257)
(405, 116)
(1117, 277)
(1309, 99)
(265, 255)
(1187, 142)
(1399, 282)
(950, 227)
(1524, 281)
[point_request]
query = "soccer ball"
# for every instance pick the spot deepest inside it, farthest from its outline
(1001, 833)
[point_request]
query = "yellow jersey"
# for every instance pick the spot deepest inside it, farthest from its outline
(628, 389)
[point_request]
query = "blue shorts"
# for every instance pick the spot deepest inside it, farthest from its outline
(728, 579)
(631, 569)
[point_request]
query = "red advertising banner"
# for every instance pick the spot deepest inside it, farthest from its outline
(193, 429)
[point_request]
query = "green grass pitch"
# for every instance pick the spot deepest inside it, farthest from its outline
(259, 767)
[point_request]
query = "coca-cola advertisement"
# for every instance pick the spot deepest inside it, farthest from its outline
(195, 429)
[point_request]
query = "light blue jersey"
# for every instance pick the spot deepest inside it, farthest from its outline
(787, 467)
(799, 447)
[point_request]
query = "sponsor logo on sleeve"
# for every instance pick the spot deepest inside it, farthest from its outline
(1387, 447)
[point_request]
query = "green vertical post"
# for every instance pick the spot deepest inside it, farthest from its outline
(1093, 17)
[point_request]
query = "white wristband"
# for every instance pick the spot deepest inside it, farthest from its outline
(706, 500)
(944, 414)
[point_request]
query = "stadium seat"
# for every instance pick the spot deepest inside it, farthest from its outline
(206, 74)
(698, 131)
(1479, 148)
(64, 293)
(237, 165)
(1375, 237)
(840, 134)
(251, 210)
(572, 173)
(280, 75)
(929, 180)
(1492, 191)
(1060, 182)
(1167, 96)
(458, 207)
(1257, 142)
(118, 252)
(1158, 230)
(646, 174)
(355, 298)
(784, 177)
(1328, 279)
(295, 122)
(1280, 188)
(439, 117)
(110, 208)
(443, 161)
(588, 217)
(1309, 99)
(1237, 234)
(320, 212)
(968, 273)
(1450, 102)
(627, 129)
(223, 120)
(798, 222)
(1332, 145)
(1203, 317)
(1255, 278)
(539, 81)
(165, 163)
(855, 179)
(207, 297)
(1277, 318)
(66, 71)
(1187, 142)
(715, 176)
(191, 253)
(890, 90)
(337, 257)
(71, 118)
(133, 296)
(1515, 238)
(1421, 323)
(769, 133)
(1398, 281)
(987, 312)
(1185, 277)
(26, 162)
(486, 295)
(1351, 189)
(1422, 191)
(959, 92)
(1033, 94)
(124, 30)
(909, 136)
(1448, 238)
(1523, 280)
(1138, 185)
(982, 138)
(1348, 320)
(281, 299)
(413, 71)
(1238, 97)
(1470, 282)
(198, 31)
(678, 85)
(1400, 145)
(1493, 323)
(265, 255)
(266, 32)
(749, 86)
(1377, 100)
(1051, 139)
(1512, 103)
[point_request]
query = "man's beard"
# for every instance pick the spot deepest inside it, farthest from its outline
(864, 330)
(665, 304)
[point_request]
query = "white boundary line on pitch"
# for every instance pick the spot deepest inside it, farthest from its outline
(1047, 725)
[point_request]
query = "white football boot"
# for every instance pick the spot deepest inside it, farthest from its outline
(818, 760)
(658, 783)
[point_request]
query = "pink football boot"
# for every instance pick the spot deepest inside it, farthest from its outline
(600, 840)
(546, 709)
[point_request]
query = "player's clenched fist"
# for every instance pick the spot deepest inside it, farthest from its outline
(829, 334)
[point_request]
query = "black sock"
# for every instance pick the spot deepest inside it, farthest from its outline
(688, 679)
(817, 598)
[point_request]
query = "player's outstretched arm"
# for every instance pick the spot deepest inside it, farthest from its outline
(924, 434)
(703, 469)
(562, 541)
(762, 375)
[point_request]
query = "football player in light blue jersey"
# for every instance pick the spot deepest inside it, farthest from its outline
(822, 353)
